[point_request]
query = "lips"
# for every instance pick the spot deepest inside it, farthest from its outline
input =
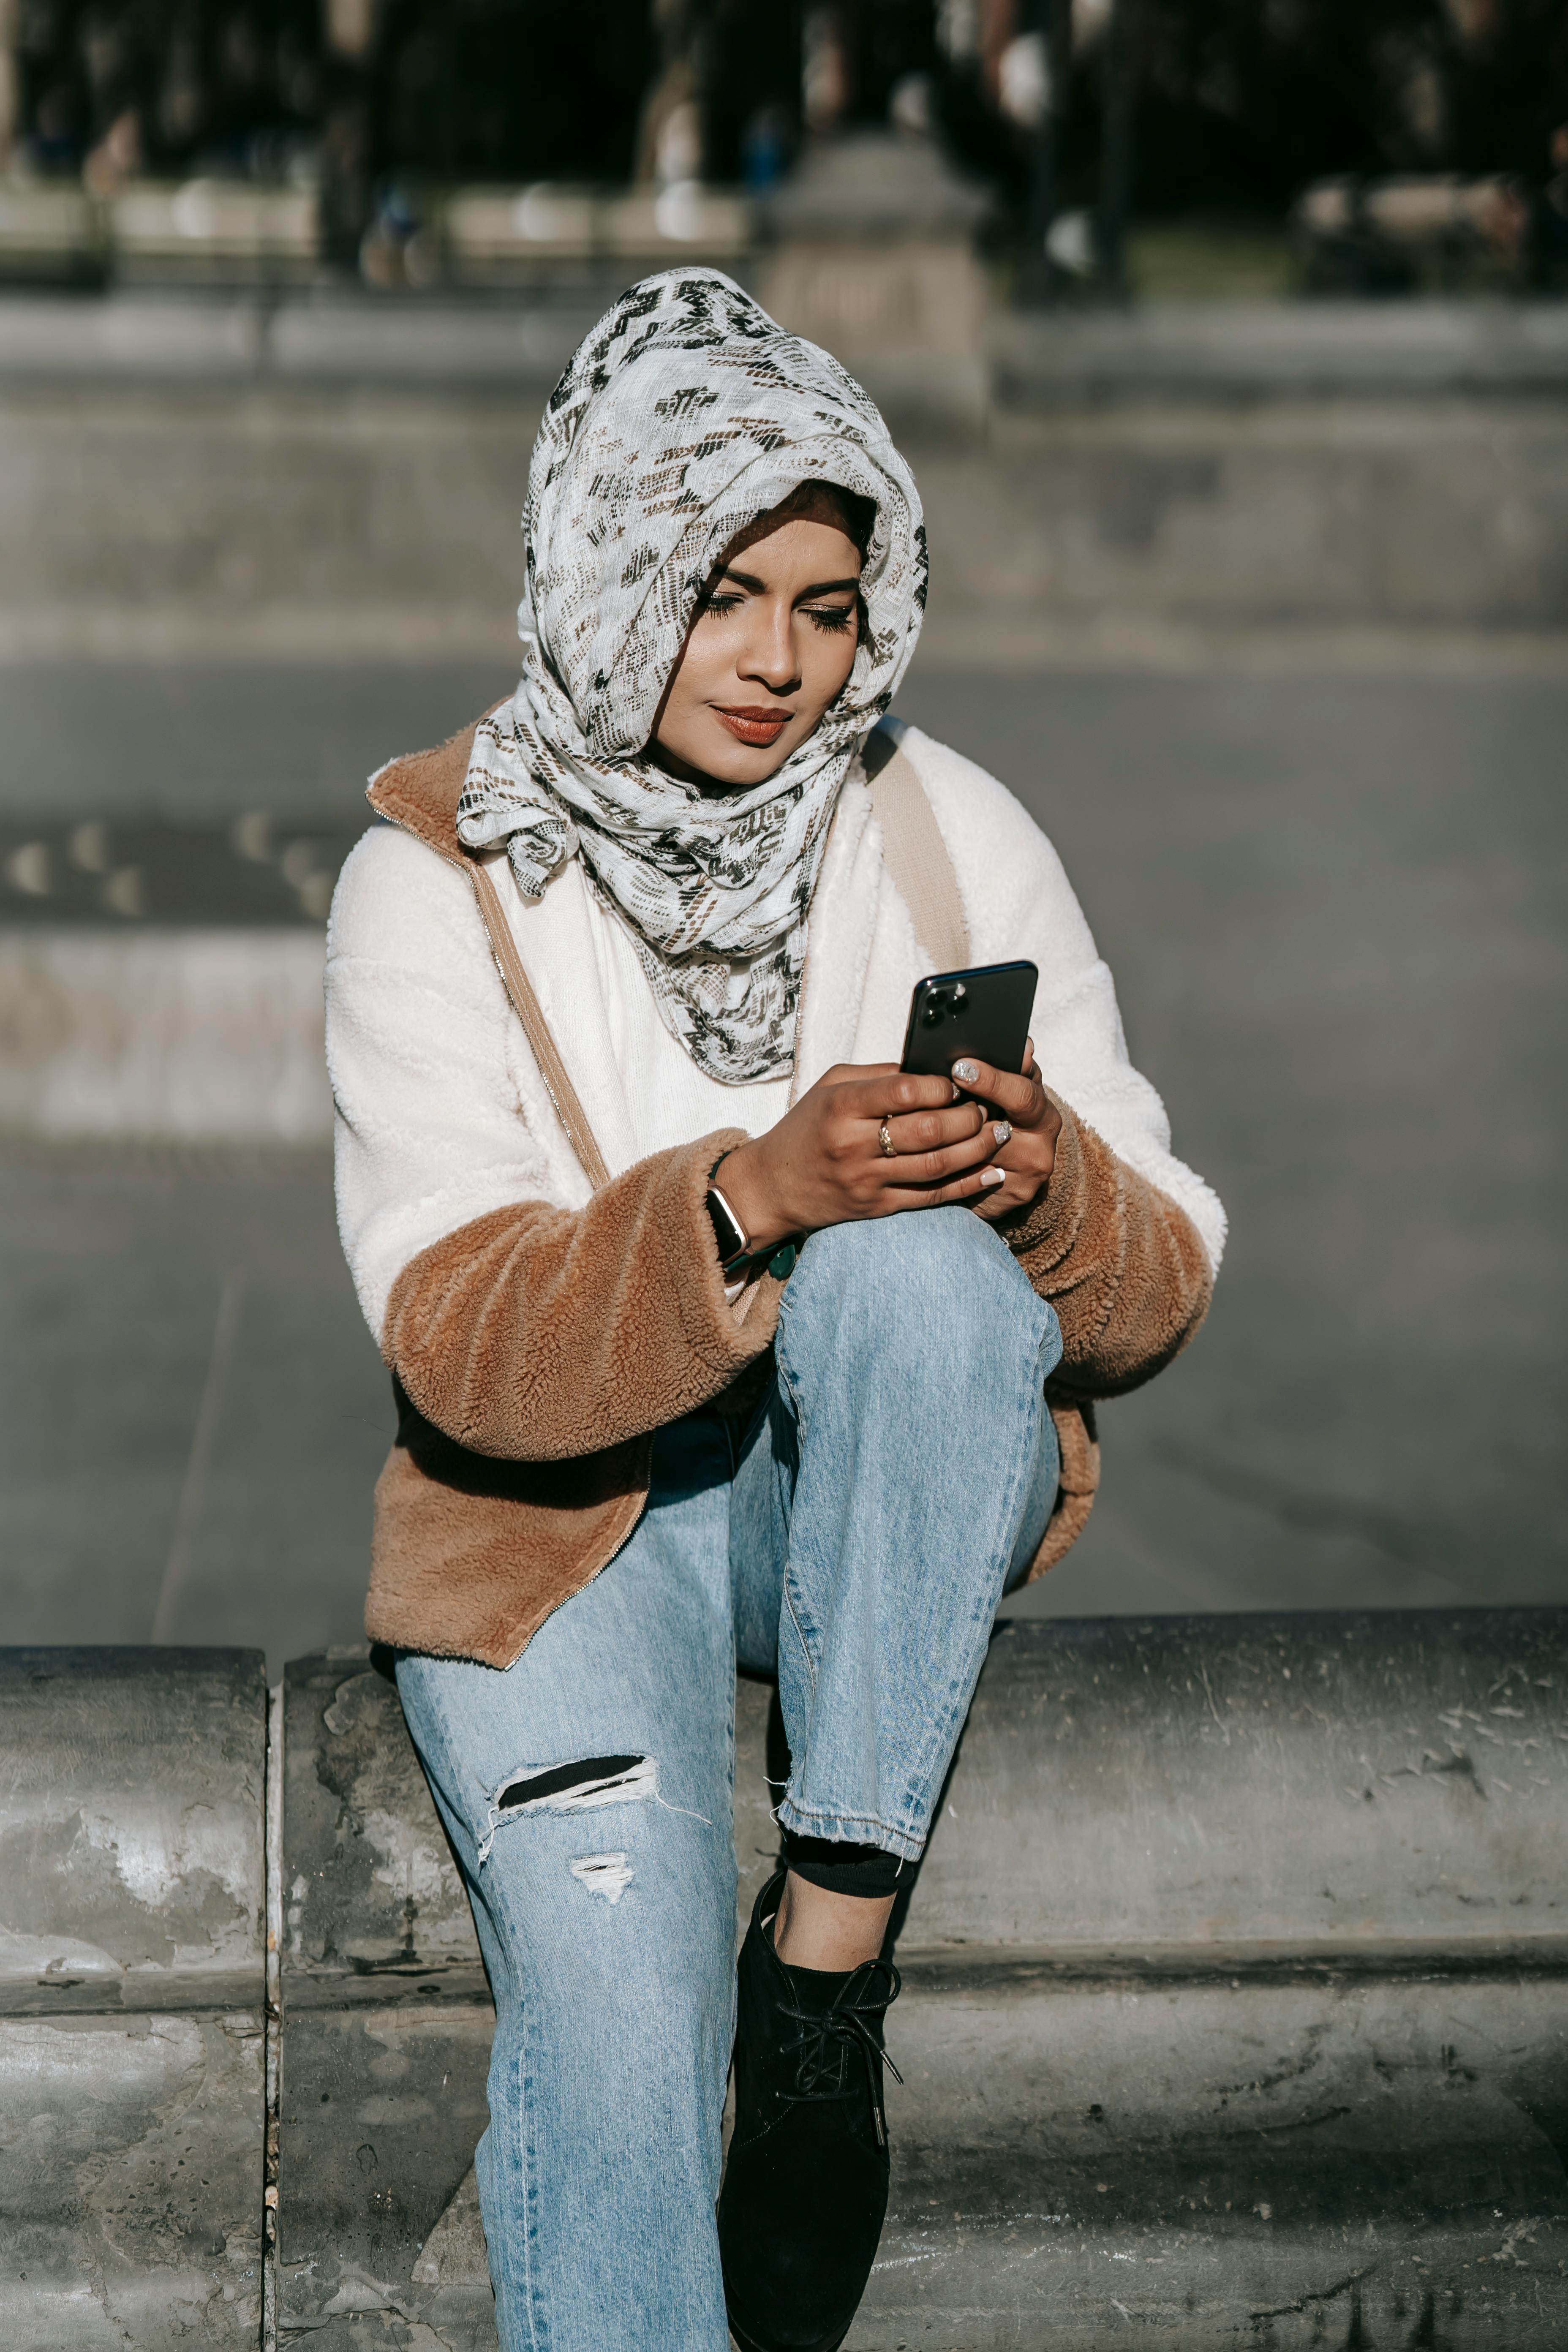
(751, 726)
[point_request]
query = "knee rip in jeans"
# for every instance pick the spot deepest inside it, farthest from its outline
(579, 1788)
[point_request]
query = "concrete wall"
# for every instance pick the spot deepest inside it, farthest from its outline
(337, 492)
(130, 1999)
(1233, 2007)
(1320, 489)
(175, 1036)
(1136, 532)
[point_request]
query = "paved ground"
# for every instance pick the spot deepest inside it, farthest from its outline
(1336, 914)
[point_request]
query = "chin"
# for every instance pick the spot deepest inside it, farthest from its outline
(729, 762)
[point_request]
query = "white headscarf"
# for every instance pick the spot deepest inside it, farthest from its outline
(685, 416)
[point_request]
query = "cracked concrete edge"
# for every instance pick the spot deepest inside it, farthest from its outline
(113, 2237)
(445, 2305)
(131, 1862)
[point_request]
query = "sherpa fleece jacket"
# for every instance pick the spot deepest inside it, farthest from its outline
(537, 1331)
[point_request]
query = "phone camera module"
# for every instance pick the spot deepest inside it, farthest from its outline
(942, 1004)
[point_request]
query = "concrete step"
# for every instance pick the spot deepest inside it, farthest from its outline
(124, 873)
(1234, 2012)
(155, 1035)
(1234, 1999)
(132, 2140)
(224, 338)
(1269, 487)
(1252, 350)
(162, 980)
(521, 341)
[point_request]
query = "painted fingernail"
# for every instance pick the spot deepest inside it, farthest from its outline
(1001, 1130)
(993, 1176)
(966, 1073)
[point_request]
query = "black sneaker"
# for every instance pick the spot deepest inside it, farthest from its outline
(806, 2187)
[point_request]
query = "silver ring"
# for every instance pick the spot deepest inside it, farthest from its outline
(890, 1149)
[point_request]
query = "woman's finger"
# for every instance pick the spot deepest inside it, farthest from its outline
(883, 1096)
(1018, 1094)
(976, 1184)
(927, 1168)
(927, 1131)
(930, 1170)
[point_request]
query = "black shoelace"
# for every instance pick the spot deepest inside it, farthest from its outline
(828, 2040)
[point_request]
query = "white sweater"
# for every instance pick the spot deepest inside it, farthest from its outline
(441, 1115)
(668, 1099)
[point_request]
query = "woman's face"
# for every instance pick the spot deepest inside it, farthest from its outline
(772, 643)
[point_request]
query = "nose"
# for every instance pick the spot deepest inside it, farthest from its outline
(768, 653)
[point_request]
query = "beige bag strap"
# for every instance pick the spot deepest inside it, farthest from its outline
(536, 1028)
(915, 852)
(916, 856)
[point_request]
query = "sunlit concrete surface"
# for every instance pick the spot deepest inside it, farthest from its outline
(1175, 487)
(1336, 915)
(1194, 2047)
(1335, 910)
(194, 1412)
(195, 740)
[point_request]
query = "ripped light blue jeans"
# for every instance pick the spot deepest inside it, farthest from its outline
(855, 1538)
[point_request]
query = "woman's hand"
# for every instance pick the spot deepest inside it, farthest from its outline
(1029, 1154)
(824, 1163)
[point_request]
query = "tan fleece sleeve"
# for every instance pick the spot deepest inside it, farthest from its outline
(1123, 1266)
(535, 1334)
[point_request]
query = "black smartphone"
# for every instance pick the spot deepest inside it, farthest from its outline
(983, 1012)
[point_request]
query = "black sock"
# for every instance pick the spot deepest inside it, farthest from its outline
(839, 1868)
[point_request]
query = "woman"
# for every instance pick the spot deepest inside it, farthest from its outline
(639, 1437)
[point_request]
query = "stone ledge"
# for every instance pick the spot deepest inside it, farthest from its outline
(1249, 350)
(163, 1037)
(1225, 350)
(1249, 2147)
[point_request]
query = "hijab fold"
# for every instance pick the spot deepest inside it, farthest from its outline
(683, 416)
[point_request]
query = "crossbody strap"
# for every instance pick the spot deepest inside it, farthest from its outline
(536, 1028)
(916, 857)
(914, 851)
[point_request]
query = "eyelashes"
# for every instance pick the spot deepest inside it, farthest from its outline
(831, 619)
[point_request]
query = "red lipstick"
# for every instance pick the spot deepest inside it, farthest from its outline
(750, 725)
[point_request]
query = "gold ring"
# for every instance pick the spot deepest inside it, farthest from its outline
(890, 1149)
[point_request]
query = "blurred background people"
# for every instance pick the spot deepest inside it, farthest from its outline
(1218, 119)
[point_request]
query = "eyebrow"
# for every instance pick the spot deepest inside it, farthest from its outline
(759, 587)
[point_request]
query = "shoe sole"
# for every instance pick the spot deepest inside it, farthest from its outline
(741, 2342)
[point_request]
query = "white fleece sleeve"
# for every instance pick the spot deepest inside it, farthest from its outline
(439, 1114)
(1019, 902)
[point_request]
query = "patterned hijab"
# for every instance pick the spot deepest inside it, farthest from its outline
(685, 416)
